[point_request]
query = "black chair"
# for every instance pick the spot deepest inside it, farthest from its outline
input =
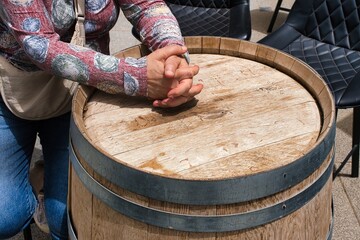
(326, 35)
(224, 18)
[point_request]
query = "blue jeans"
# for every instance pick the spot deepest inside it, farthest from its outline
(17, 200)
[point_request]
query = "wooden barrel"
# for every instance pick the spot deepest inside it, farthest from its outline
(250, 158)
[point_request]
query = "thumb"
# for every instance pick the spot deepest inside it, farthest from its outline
(168, 51)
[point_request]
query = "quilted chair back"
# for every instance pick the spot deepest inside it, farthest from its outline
(335, 22)
(326, 35)
(226, 18)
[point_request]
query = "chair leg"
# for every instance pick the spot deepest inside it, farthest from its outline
(354, 153)
(27, 233)
(355, 142)
(275, 14)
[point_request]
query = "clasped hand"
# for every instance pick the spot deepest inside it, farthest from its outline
(170, 78)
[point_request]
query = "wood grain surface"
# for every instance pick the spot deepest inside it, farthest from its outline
(248, 119)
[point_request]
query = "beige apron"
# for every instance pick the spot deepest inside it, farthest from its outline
(34, 95)
(39, 95)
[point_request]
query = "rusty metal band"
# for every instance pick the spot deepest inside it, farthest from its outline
(72, 234)
(197, 223)
(199, 192)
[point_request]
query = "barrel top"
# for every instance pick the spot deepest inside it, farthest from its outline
(250, 118)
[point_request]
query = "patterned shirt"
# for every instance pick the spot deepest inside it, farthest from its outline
(35, 35)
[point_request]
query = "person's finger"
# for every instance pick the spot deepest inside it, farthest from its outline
(186, 72)
(171, 64)
(185, 75)
(168, 51)
(182, 88)
(174, 102)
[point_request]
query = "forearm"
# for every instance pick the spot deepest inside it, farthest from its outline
(34, 32)
(154, 21)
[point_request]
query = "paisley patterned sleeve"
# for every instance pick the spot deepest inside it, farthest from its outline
(33, 29)
(154, 21)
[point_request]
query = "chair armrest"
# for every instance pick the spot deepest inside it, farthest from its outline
(281, 37)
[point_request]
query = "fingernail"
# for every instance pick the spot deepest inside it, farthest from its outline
(165, 101)
(156, 103)
(169, 73)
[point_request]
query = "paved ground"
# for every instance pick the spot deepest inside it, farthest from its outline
(346, 190)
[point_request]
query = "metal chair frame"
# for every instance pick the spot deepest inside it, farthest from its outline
(275, 14)
(354, 152)
(27, 232)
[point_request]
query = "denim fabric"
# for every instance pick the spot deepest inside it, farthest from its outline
(17, 200)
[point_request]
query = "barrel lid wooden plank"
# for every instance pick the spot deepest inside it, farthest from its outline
(246, 109)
